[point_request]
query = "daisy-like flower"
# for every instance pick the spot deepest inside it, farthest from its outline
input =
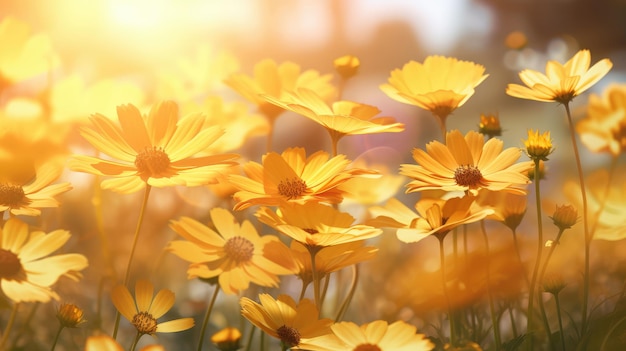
(538, 146)
(374, 336)
(233, 252)
(293, 177)
(439, 85)
(144, 310)
(157, 149)
(347, 66)
(604, 127)
(285, 320)
(434, 217)
(561, 83)
(509, 208)
(106, 343)
(276, 80)
(27, 271)
(70, 315)
(316, 225)
(227, 339)
(490, 125)
(29, 197)
(339, 119)
(467, 164)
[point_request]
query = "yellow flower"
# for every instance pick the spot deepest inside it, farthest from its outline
(157, 149)
(144, 310)
(604, 126)
(276, 80)
(347, 66)
(285, 320)
(538, 147)
(439, 85)
(316, 225)
(434, 217)
(565, 216)
(27, 271)
(466, 164)
(341, 118)
(490, 125)
(561, 83)
(509, 208)
(106, 343)
(235, 253)
(376, 335)
(227, 339)
(292, 177)
(29, 197)
(70, 315)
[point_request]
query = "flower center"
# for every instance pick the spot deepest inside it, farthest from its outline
(289, 336)
(310, 230)
(468, 175)
(10, 264)
(619, 134)
(292, 188)
(11, 195)
(145, 323)
(367, 347)
(239, 249)
(152, 161)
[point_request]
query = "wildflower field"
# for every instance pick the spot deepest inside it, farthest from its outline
(200, 198)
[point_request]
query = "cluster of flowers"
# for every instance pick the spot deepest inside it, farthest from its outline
(464, 178)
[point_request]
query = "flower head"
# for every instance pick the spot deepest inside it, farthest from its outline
(374, 336)
(26, 270)
(106, 343)
(466, 163)
(561, 83)
(227, 339)
(70, 315)
(604, 127)
(490, 125)
(158, 149)
(439, 85)
(285, 320)
(144, 310)
(565, 216)
(509, 208)
(347, 66)
(293, 177)
(538, 146)
(233, 252)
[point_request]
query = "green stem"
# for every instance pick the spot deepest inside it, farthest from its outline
(56, 338)
(7, 330)
(533, 280)
(442, 258)
(346, 302)
(134, 345)
(541, 276)
(316, 279)
(142, 212)
(588, 236)
(558, 313)
(249, 343)
(205, 322)
(492, 310)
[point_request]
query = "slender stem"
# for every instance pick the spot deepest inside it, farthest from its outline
(512, 318)
(519, 257)
(544, 318)
(492, 310)
(533, 280)
(7, 330)
(134, 345)
(541, 276)
(142, 211)
(558, 313)
(205, 322)
(346, 302)
(316, 279)
(249, 342)
(588, 236)
(442, 257)
(334, 140)
(56, 338)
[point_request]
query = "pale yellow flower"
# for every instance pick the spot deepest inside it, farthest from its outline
(604, 127)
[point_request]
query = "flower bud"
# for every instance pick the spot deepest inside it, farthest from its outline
(347, 66)
(565, 216)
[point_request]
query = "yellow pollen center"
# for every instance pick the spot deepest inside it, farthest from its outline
(468, 175)
(292, 188)
(289, 336)
(11, 195)
(10, 264)
(366, 347)
(145, 323)
(152, 161)
(239, 249)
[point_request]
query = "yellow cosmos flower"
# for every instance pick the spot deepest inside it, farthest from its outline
(106, 343)
(276, 80)
(538, 146)
(28, 271)
(285, 320)
(29, 197)
(227, 339)
(293, 177)
(434, 217)
(347, 66)
(341, 118)
(490, 125)
(70, 315)
(157, 149)
(316, 225)
(234, 253)
(561, 83)
(466, 164)
(377, 335)
(509, 208)
(439, 85)
(144, 310)
(604, 127)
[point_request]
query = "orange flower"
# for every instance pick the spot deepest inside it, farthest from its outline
(604, 127)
